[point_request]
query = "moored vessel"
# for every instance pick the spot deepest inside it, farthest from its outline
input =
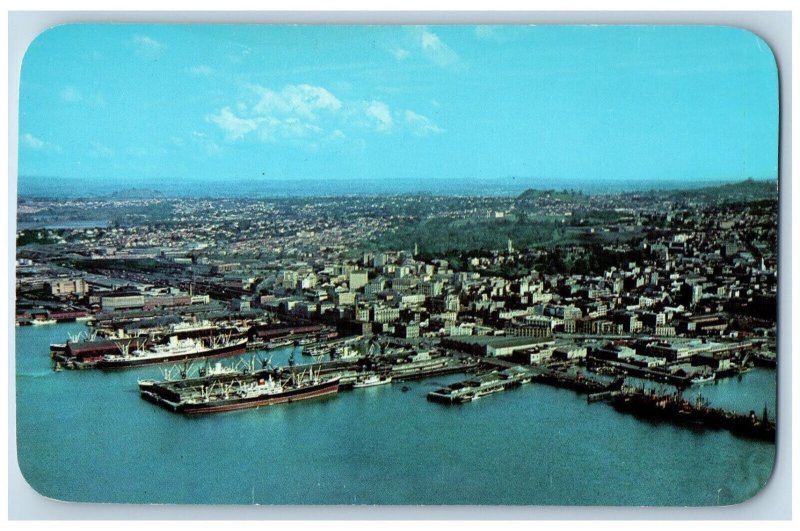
(703, 378)
(674, 408)
(210, 395)
(175, 350)
(371, 381)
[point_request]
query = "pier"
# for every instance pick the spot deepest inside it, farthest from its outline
(174, 393)
(480, 386)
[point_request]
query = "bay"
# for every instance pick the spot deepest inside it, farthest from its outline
(87, 436)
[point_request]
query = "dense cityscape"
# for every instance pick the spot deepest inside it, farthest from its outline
(663, 286)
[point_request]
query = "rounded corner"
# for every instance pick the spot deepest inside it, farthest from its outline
(38, 37)
(760, 41)
(32, 484)
(763, 489)
(41, 36)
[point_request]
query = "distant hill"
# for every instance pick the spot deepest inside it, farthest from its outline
(136, 193)
(747, 190)
(564, 195)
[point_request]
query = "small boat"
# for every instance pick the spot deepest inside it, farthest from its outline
(346, 352)
(371, 381)
(276, 343)
(43, 321)
(487, 391)
(316, 350)
(703, 378)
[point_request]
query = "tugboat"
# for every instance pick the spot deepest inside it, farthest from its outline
(371, 381)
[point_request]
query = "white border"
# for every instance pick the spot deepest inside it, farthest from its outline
(774, 502)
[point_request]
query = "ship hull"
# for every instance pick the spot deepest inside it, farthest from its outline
(649, 407)
(361, 385)
(230, 350)
(294, 395)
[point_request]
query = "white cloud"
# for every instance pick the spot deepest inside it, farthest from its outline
(145, 42)
(488, 33)
(38, 144)
(290, 113)
(73, 95)
(306, 114)
(400, 53)
(32, 142)
(206, 144)
(266, 128)
(294, 127)
(381, 114)
(233, 126)
(98, 100)
(100, 151)
(201, 70)
(303, 100)
(437, 51)
(420, 125)
(70, 94)
(422, 42)
(147, 47)
(500, 33)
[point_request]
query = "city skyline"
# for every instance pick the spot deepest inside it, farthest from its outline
(140, 103)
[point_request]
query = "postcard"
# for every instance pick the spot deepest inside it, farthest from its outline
(397, 265)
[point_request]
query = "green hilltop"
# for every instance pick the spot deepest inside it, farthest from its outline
(747, 190)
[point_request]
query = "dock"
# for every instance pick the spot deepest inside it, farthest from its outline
(480, 386)
(578, 382)
(171, 393)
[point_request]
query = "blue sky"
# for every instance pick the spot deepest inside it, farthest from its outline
(171, 102)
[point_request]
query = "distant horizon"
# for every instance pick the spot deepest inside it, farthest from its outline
(47, 187)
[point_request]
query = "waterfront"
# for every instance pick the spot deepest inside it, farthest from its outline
(87, 436)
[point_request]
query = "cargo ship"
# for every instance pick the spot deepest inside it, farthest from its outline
(83, 351)
(176, 350)
(214, 396)
(674, 408)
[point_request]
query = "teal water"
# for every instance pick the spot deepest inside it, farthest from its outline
(87, 436)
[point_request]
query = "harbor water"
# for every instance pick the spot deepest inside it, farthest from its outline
(88, 436)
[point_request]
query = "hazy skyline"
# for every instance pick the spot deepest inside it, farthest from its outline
(143, 102)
